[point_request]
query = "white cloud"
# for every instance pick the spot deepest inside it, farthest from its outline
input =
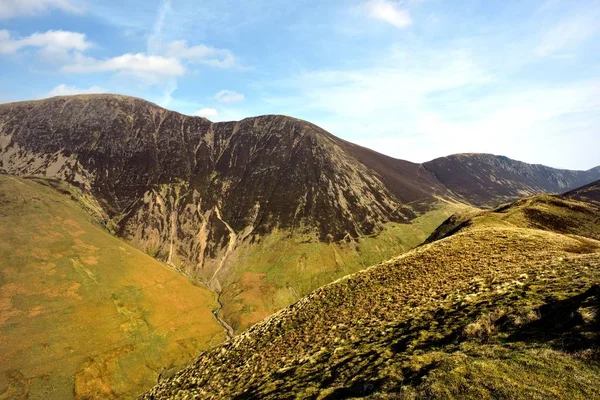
(50, 43)
(228, 96)
(541, 125)
(389, 12)
(147, 68)
(202, 54)
(65, 90)
(207, 112)
(418, 105)
(15, 8)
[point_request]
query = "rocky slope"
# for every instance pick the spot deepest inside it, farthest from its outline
(263, 210)
(153, 169)
(488, 180)
(506, 307)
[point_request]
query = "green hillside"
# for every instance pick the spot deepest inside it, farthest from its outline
(507, 307)
(279, 268)
(83, 314)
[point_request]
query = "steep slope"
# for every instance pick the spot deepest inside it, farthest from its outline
(83, 314)
(589, 193)
(488, 180)
(248, 207)
(507, 307)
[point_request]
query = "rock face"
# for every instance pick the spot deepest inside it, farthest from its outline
(187, 190)
(486, 179)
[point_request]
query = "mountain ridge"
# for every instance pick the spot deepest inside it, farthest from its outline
(485, 179)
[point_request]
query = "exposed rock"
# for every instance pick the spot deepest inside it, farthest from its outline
(487, 179)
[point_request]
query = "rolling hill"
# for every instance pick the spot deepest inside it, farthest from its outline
(263, 210)
(82, 313)
(507, 305)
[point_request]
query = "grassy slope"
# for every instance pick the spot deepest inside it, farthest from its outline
(281, 268)
(509, 307)
(82, 313)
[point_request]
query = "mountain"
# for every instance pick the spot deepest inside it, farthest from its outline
(488, 180)
(590, 192)
(262, 211)
(507, 306)
(82, 313)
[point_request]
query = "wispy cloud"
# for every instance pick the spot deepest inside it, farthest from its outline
(155, 38)
(16, 8)
(568, 33)
(149, 69)
(206, 112)
(202, 54)
(421, 105)
(228, 96)
(388, 12)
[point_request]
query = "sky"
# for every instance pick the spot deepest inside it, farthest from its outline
(413, 79)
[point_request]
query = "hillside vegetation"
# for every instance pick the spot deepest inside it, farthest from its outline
(506, 306)
(83, 314)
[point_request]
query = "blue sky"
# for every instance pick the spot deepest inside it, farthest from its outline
(414, 79)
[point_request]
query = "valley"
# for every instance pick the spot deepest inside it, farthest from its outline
(138, 238)
(262, 211)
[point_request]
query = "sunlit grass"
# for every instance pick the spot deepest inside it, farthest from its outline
(81, 312)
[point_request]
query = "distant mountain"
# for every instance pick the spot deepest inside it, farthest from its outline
(263, 210)
(487, 180)
(590, 193)
(497, 309)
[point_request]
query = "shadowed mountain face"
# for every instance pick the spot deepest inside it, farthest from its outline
(487, 180)
(151, 168)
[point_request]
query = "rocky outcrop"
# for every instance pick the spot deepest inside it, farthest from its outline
(182, 188)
